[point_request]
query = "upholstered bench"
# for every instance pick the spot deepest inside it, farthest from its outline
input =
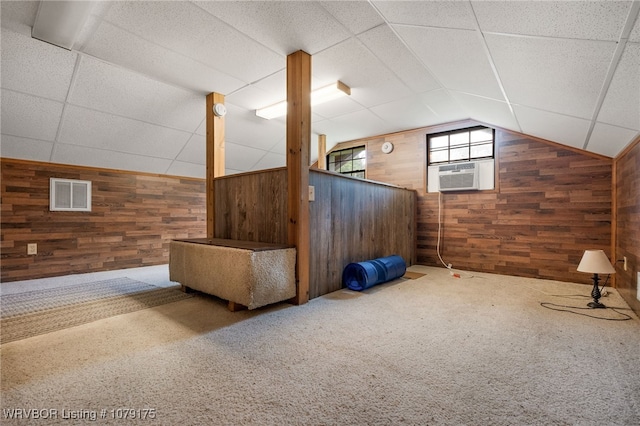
(245, 273)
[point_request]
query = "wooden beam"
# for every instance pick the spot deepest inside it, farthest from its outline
(298, 147)
(322, 152)
(215, 156)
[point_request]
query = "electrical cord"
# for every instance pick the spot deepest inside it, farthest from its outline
(555, 307)
(448, 266)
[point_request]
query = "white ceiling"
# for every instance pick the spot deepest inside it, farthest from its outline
(131, 93)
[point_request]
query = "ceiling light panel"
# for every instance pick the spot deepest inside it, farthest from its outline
(61, 22)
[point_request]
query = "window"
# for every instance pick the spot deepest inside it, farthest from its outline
(69, 195)
(350, 161)
(460, 145)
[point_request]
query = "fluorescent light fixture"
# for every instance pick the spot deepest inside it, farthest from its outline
(319, 96)
(60, 22)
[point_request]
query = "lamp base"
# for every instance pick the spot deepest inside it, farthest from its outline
(596, 305)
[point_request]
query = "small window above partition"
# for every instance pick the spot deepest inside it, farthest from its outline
(349, 161)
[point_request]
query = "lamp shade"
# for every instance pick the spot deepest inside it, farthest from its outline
(595, 262)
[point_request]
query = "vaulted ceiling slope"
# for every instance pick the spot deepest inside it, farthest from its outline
(131, 93)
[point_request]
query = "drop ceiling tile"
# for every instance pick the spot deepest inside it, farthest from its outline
(455, 57)
(29, 116)
(558, 75)
(252, 97)
(610, 140)
(442, 14)
(336, 107)
(394, 54)
(202, 128)
(19, 16)
(185, 28)
(270, 161)
(158, 62)
(408, 113)
(371, 82)
(35, 67)
(487, 110)
(195, 151)
(307, 25)
(357, 16)
(444, 105)
(110, 132)
(593, 20)
(181, 168)
(115, 90)
(634, 36)
(245, 128)
(554, 127)
(240, 157)
(24, 148)
(92, 157)
(352, 126)
(621, 105)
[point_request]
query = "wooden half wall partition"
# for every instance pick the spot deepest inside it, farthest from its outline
(354, 220)
(351, 220)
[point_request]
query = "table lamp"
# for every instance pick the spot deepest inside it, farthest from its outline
(595, 262)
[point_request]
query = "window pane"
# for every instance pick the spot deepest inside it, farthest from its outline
(460, 153)
(481, 135)
(439, 142)
(358, 164)
(79, 199)
(483, 150)
(346, 167)
(358, 175)
(438, 156)
(359, 153)
(63, 194)
(460, 139)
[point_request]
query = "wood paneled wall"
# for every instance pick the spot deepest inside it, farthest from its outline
(133, 218)
(551, 202)
(352, 220)
(252, 206)
(628, 223)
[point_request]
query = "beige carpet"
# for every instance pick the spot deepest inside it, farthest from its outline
(432, 350)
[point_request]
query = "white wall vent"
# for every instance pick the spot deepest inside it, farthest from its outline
(69, 195)
(458, 177)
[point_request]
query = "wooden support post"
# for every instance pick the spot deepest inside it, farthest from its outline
(298, 147)
(322, 152)
(215, 157)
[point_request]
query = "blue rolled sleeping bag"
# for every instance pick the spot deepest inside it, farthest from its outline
(362, 275)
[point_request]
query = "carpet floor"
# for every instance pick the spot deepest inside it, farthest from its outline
(435, 350)
(28, 314)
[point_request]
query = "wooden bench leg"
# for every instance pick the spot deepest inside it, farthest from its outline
(235, 307)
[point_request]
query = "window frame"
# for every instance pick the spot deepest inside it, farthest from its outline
(356, 173)
(70, 207)
(468, 144)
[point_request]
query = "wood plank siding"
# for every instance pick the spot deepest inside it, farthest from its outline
(353, 220)
(252, 206)
(628, 223)
(551, 202)
(134, 216)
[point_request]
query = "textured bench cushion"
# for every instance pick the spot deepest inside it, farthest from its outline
(252, 278)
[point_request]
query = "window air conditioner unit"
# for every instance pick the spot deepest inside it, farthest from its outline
(458, 177)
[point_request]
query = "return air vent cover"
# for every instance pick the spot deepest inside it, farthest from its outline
(458, 177)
